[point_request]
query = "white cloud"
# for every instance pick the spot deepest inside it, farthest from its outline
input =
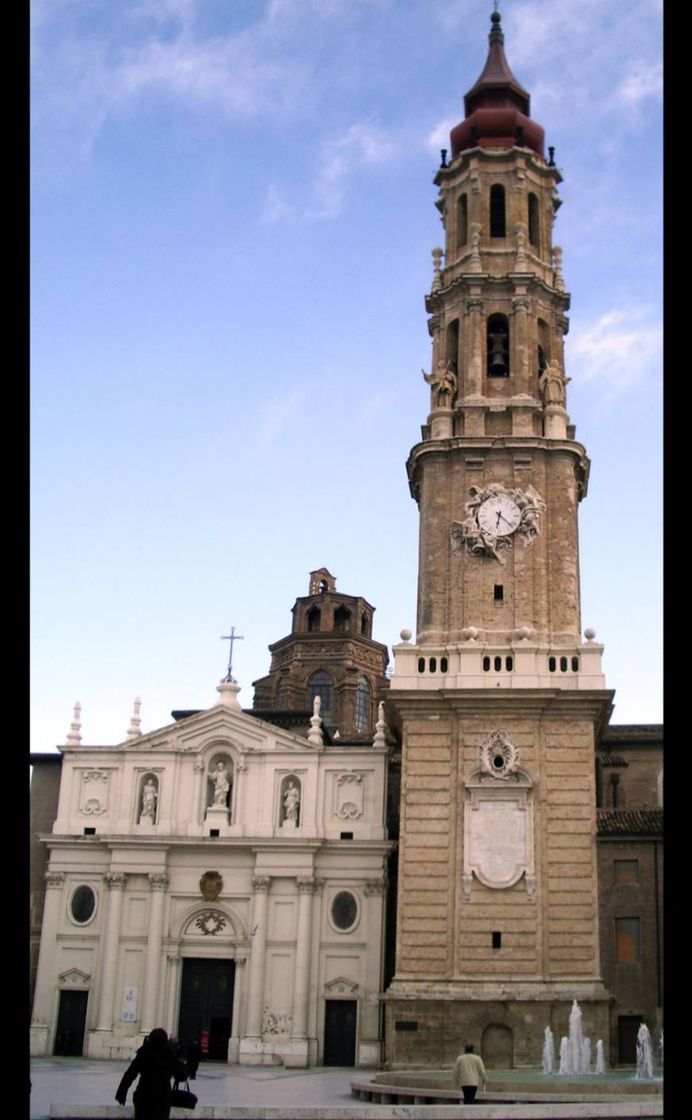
(641, 83)
(279, 414)
(276, 208)
(439, 137)
(360, 145)
(620, 348)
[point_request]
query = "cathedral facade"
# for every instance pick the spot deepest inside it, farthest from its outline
(363, 868)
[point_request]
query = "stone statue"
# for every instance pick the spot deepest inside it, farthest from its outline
(219, 777)
(443, 382)
(292, 803)
(149, 798)
(552, 383)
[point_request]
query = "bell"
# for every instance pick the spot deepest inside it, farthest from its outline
(498, 365)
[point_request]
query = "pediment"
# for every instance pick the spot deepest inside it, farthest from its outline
(74, 978)
(196, 732)
(340, 987)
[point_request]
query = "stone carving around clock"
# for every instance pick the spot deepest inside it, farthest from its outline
(494, 516)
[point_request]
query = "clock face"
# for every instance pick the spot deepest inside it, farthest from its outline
(499, 515)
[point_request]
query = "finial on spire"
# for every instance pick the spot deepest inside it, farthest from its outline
(316, 735)
(496, 35)
(380, 727)
(134, 730)
(232, 637)
(74, 738)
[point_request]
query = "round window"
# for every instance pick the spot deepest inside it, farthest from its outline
(83, 905)
(344, 910)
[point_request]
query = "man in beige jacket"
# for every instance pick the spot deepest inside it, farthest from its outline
(469, 1073)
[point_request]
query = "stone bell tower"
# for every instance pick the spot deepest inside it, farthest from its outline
(500, 699)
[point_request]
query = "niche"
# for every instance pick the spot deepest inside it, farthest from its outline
(290, 802)
(148, 799)
(219, 782)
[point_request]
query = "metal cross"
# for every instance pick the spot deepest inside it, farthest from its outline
(495, 3)
(232, 637)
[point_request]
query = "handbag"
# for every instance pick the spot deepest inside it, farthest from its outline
(183, 1098)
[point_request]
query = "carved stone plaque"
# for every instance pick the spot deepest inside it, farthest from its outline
(498, 835)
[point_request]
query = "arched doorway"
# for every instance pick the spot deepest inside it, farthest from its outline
(497, 1047)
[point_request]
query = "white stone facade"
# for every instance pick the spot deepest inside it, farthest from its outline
(181, 867)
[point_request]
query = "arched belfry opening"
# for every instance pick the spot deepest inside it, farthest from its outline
(498, 224)
(498, 346)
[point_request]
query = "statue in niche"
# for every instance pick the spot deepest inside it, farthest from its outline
(149, 799)
(292, 804)
(443, 383)
(551, 383)
(221, 784)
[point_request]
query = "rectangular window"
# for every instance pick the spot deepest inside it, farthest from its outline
(626, 871)
(627, 940)
(499, 593)
(497, 939)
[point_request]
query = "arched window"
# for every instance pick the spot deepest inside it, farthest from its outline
(342, 619)
(320, 684)
(452, 345)
(363, 705)
(462, 220)
(533, 220)
(314, 618)
(498, 346)
(497, 211)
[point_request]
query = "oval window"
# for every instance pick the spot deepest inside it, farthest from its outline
(83, 905)
(344, 910)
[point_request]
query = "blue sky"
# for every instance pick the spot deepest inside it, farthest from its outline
(232, 221)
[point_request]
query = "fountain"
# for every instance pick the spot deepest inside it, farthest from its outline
(600, 1057)
(645, 1057)
(575, 1050)
(548, 1051)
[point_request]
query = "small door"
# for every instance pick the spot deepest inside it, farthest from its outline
(69, 1037)
(340, 1032)
(628, 1027)
(497, 1050)
(206, 1005)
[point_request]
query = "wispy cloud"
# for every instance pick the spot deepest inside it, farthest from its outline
(280, 413)
(621, 348)
(360, 145)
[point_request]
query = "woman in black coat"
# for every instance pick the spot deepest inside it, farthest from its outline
(156, 1065)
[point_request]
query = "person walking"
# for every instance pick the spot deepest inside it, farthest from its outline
(156, 1064)
(469, 1073)
(193, 1057)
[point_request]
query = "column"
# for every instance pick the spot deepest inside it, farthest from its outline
(261, 885)
(152, 959)
(173, 964)
(474, 350)
(115, 885)
(301, 987)
(45, 971)
(369, 1039)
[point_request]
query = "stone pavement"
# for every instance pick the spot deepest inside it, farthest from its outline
(84, 1089)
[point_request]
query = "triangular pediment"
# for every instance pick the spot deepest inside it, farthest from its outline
(74, 978)
(341, 986)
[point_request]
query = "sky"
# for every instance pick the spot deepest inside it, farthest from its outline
(232, 218)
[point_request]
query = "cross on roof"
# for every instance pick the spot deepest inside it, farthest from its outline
(231, 638)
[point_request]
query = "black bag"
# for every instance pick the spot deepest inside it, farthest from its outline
(183, 1098)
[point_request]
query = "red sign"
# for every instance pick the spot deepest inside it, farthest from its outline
(204, 1042)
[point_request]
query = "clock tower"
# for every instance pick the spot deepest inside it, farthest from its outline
(500, 698)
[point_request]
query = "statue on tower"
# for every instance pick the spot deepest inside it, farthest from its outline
(443, 383)
(551, 383)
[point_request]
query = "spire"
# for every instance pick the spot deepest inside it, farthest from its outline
(74, 738)
(135, 730)
(497, 106)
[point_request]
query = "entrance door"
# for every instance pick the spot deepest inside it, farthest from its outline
(628, 1027)
(340, 1032)
(69, 1037)
(496, 1047)
(206, 1005)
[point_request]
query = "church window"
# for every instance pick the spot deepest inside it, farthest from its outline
(626, 871)
(363, 697)
(563, 664)
(462, 221)
(486, 664)
(82, 905)
(509, 664)
(433, 664)
(614, 790)
(344, 911)
(320, 684)
(364, 626)
(497, 939)
(627, 940)
(552, 664)
(575, 664)
(498, 664)
(498, 593)
(498, 346)
(314, 619)
(421, 664)
(497, 211)
(342, 619)
(443, 664)
(533, 220)
(452, 346)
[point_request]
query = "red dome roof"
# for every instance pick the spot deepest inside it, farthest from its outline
(497, 107)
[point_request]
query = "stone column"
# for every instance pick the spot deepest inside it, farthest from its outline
(369, 1040)
(520, 348)
(115, 884)
(261, 885)
(301, 987)
(173, 963)
(475, 347)
(152, 959)
(45, 971)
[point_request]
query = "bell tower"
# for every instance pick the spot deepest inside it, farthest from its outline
(499, 700)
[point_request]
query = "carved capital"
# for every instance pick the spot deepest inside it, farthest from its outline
(115, 881)
(306, 886)
(261, 884)
(158, 882)
(54, 879)
(473, 304)
(521, 303)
